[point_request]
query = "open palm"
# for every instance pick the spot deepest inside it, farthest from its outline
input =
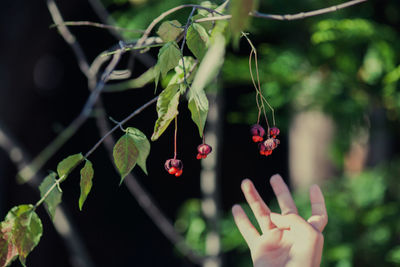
(286, 238)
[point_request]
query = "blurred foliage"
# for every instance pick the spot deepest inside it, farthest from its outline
(363, 227)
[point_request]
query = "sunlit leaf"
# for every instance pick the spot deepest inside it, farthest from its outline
(87, 173)
(68, 164)
(197, 40)
(169, 30)
(26, 229)
(125, 155)
(142, 144)
(190, 67)
(167, 109)
(54, 197)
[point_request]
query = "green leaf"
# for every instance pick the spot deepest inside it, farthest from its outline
(170, 30)
(54, 197)
(168, 58)
(8, 251)
(87, 173)
(142, 144)
(198, 106)
(26, 229)
(68, 164)
(139, 82)
(167, 109)
(197, 40)
(125, 155)
(240, 20)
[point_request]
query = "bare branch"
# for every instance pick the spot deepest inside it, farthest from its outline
(30, 170)
(68, 37)
(301, 15)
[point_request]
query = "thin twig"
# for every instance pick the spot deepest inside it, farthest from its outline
(188, 22)
(120, 124)
(288, 17)
(96, 25)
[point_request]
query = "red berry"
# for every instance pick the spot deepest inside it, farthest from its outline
(257, 133)
(173, 166)
(178, 173)
(203, 150)
(173, 170)
(271, 143)
(274, 132)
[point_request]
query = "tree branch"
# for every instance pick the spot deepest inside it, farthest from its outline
(301, 15)
(134, 187)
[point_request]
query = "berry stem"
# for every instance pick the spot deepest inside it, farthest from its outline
(258, 85)
(175, 136)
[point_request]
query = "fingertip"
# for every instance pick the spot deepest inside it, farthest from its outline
(246, 183)
(236, 208)
(316, 194)
(276, 178)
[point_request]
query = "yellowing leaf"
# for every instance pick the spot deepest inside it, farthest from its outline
(54, 197)
(8, 251)
(87, 173)
(142, 144)
(169, 30)
(167, 109)
(26, 230)
(68, 164)
(125, 155)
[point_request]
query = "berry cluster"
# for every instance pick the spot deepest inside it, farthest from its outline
(266, 147)
(175, 166)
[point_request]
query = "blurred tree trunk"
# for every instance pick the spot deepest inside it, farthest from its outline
(209, 180)
(310, 137)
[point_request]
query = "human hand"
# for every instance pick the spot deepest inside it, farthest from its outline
(286, 238)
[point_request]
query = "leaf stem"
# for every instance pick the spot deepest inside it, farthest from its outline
(183, 44)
